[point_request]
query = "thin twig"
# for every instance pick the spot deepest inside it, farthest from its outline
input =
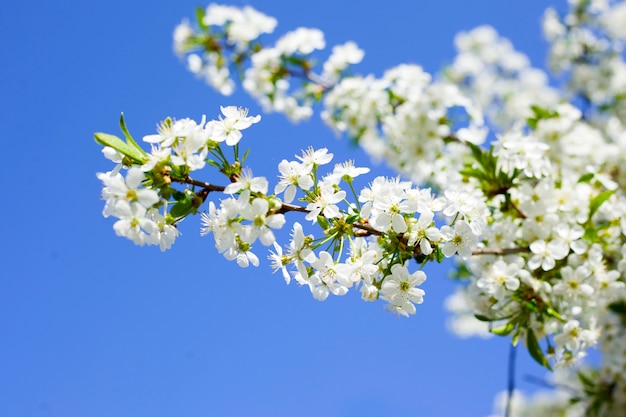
(367, 228)
(521, 214)
(205, 185)
(286, 207)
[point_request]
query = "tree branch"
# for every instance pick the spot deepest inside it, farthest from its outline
(286, 207)
(205, 185)
(366, 229)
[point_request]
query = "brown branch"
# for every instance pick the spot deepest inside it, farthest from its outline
(365, 228)
(518, 210)
(286, 207)
(205, 185)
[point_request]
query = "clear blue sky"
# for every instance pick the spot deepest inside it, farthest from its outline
(93, 326)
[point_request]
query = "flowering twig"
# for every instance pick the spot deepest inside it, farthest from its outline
(207, 187)
(369, 230)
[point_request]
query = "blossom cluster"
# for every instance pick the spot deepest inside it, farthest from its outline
(586, 45)
(225, 38)
(498, 78)
(523, 183)
(179, 148)
(373, 235)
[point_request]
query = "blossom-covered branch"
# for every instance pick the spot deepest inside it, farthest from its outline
(522, 182)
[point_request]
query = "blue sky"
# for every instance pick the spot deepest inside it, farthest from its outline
(91, 325)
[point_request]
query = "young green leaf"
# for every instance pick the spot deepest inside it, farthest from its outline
(618, 307)
(129, 138)
(539, 114)
(516, 335)
(586, 177)
(182, 208)
(200, 18)
(554, 314)
(503, 330)
(483, 318)
(598, 200)
(119, 145)
(535, 350)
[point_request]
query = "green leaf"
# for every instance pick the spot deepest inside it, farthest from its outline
(200, 18)
(179, 195)
(119, 145)
(535, 350)
(532, 306)
(482, 317)
(213, 164)
(598, 200)
(593, 410)
(439, 256)
(539, 114)
(516, 335)
(129, 138)
(587, 381)
(182, 208)
(590, 235)
(586, 177)
(476, 151)
(618, 307)
(352, 219)
(503, 330)
(245, 156)
(532, 123)
(461, 272)
(554, 314)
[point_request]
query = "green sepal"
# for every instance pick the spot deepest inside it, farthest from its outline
(535, 350)
(135, 154)
(323, 222)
